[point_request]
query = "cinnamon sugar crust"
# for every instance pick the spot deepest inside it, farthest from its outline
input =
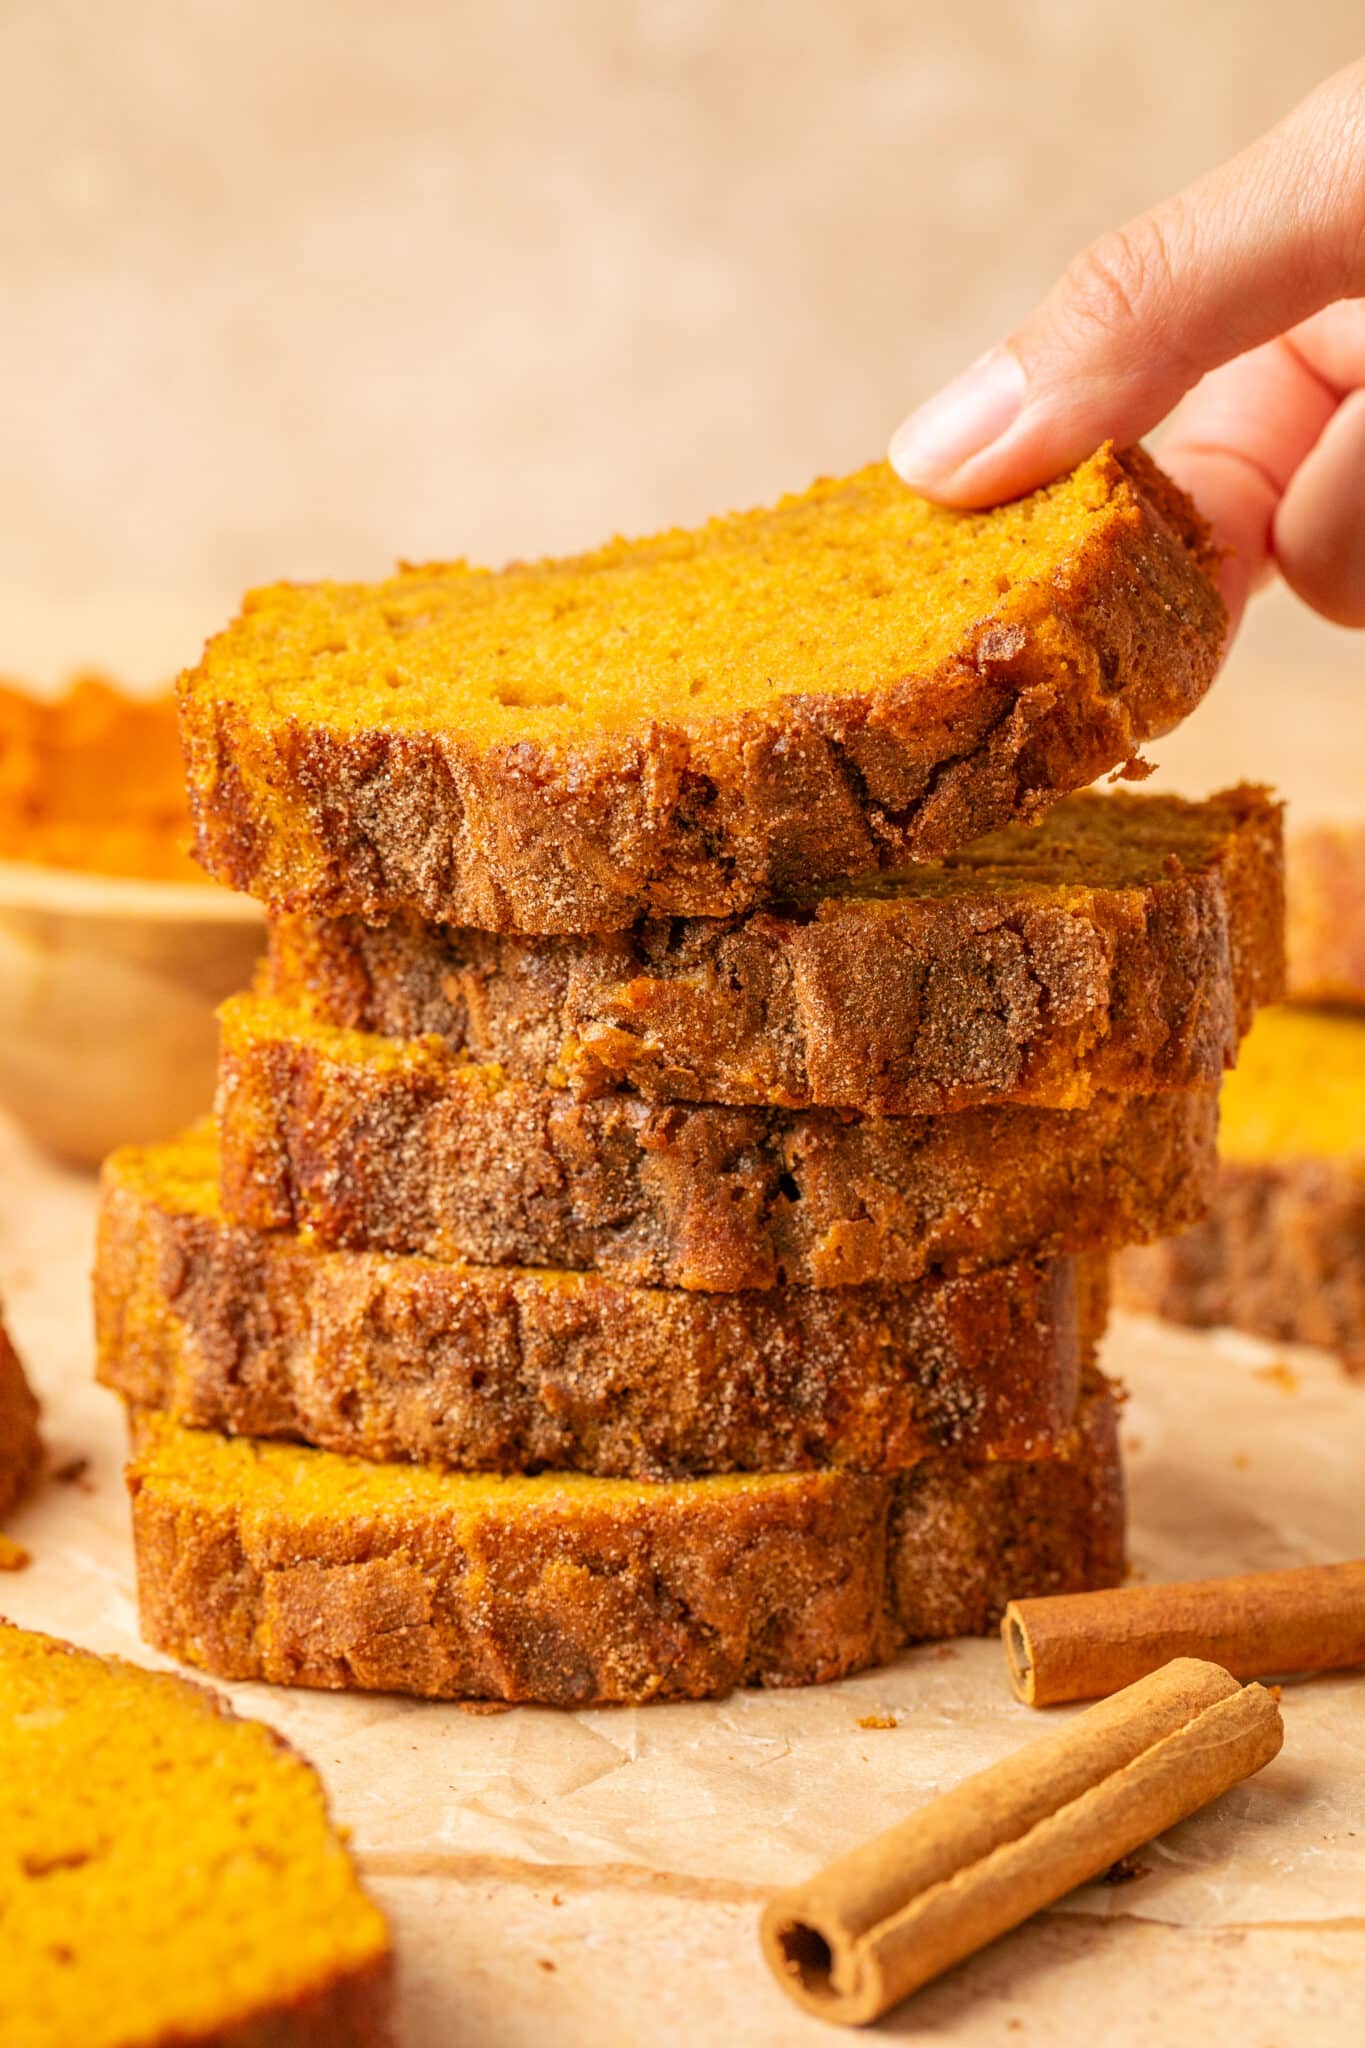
(371, 1143)
(509, 1369)
(1121, 945)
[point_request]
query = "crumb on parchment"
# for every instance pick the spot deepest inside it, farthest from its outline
(1279, 1375)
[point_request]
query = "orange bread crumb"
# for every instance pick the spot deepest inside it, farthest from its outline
(1299, 1088)
(841, 589)
(168, 1873)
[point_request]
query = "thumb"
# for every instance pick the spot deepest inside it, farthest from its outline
(1141, 315)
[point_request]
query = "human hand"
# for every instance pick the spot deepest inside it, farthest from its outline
(1239, 302)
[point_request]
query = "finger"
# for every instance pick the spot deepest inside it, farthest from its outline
(1238, 440)
(1234, 444)
(1332, 344)
(1319, 525)
(1239, 257)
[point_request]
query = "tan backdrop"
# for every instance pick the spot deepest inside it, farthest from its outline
(296, 286)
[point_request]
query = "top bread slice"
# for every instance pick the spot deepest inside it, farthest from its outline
(698, 722)
(1123, 944)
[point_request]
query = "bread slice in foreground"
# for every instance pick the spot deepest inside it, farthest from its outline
(1325, 935)
(20, 1445)
(1123, 945)
(1282, 1253)
(271, 1561)
(168, 1873)
(512, 1369)
(698, 722)
(394, 1145)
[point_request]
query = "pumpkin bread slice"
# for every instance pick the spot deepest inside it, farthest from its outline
(1325, 936)
(20, 1446)
(1122, 945)
(168, 1873)
(513, 1369)
(1282, 1252)
(268, 1560)
(698, 722)
(381, 1144)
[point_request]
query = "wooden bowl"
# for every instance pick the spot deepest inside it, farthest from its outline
(108, 989)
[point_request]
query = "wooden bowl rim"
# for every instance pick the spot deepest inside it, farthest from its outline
(31, 885)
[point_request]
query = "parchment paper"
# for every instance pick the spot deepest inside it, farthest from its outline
(594, 1877)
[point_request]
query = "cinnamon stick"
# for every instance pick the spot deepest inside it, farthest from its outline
(1080, 1646)
(873, 1927)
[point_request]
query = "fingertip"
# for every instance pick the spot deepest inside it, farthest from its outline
(936, 449)
(940, 452)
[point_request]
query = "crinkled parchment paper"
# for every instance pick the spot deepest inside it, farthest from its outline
(594, 1877)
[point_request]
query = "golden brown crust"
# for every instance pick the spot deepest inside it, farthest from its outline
(652, 1593)
(1121, 946)
(373, 1145)
(504, 1369)
(708, 819)
(1325, 937)
(1281, 1255)
(20, 1445)
(989, 1528)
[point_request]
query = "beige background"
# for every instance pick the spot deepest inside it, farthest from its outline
(296, 286)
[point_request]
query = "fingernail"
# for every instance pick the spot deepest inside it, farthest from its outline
(961, 420)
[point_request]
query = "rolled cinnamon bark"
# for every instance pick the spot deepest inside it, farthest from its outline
(883, 1920)
(1081, 1646)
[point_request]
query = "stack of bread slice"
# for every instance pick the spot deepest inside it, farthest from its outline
(1282, 1252)
(653, 1234)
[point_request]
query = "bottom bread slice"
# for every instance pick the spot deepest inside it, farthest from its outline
(1282, 1253)
(267, 1560)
